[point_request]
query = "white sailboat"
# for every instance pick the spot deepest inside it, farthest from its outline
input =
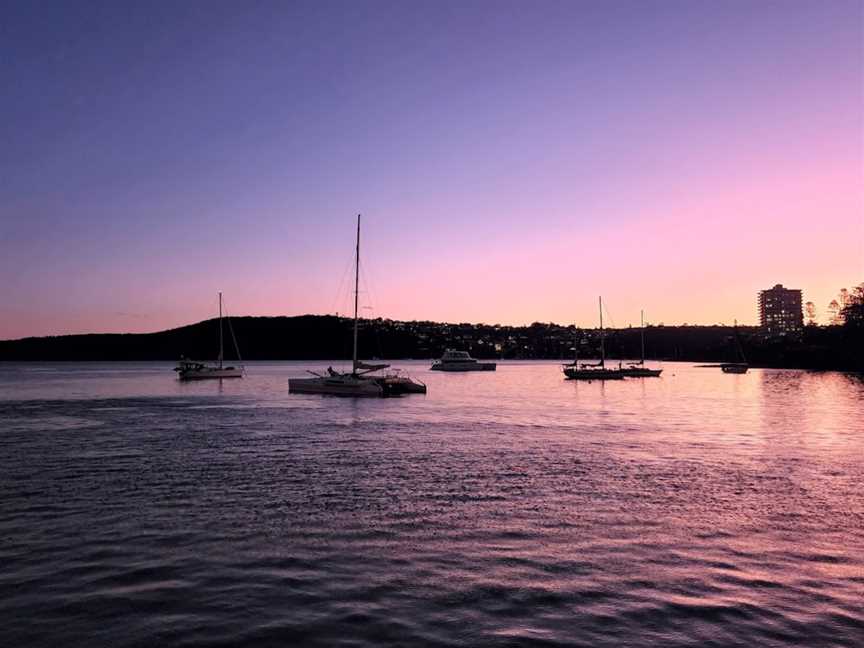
(638, 369)
(597, 371)
(361, 381)
(192, 370)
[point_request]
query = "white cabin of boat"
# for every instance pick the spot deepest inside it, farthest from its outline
(454, 360)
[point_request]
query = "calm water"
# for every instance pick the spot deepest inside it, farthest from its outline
(502, 509)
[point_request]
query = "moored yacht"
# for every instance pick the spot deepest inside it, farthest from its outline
(595, 371)
(394, 383)
(193, 370)
(638, 369)
(334, 383)
(739, 365)
(362, 379)
(587, 371)
(453, 360)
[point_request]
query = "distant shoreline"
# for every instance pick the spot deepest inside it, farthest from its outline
(551, 361)
(327, 337)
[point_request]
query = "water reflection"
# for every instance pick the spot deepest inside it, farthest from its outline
(507, 507)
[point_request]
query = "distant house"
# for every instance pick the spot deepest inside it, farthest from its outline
(780, 311)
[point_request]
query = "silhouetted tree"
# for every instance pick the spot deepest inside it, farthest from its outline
(853, 311)
(835, 317)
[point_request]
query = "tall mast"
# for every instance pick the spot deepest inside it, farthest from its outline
(739, 349)
(220, 330)
(356, 289)
(602, 341)
(642, 331)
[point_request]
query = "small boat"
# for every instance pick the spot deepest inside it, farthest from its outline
(362, 380)
(591, 372)
(394, 383)
(192, 370)
(596, 371)
(453, 360)
(739, 366)
(638, 369)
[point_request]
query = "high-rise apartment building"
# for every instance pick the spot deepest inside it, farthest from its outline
(780, 311)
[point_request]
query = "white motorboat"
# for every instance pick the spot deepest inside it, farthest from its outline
(193, 370)
(363, 379)
(453, 360)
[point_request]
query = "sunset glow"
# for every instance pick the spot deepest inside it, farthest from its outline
(511, 163)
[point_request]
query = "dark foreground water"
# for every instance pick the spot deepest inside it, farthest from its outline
(502, 509)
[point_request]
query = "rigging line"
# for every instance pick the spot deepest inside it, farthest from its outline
(366, 278)
(609, 317)
(233, 337)
(337, 300)
(345, 299)
(367, 284)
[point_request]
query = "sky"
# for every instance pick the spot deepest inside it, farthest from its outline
(512, 160)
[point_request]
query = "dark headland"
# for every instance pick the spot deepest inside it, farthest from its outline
(317, 337)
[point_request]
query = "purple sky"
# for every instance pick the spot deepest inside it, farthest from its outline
(512, 160)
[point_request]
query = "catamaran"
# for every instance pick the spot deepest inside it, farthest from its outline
(596, 371)
(638, 369)
(192, 370)
(363, 380)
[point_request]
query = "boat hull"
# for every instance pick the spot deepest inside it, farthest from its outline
(210, 374)
(593, 374)
(398, 385)
(638, 372)
(464, 366)
(350, 387)
(734, 368)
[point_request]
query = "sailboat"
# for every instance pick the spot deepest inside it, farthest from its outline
(363, 379)
(739, 366)
(191, 370)
(597, 371)
(638, 369)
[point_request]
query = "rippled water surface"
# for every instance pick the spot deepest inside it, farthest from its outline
(503, 509)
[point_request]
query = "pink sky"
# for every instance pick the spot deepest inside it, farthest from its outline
(511, 165)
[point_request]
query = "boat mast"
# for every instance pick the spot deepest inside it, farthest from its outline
(220, 330)
(642, 332)
(602, 344)
(356, 291)
(739, 349)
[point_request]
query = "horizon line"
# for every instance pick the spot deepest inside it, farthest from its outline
(386, 319)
